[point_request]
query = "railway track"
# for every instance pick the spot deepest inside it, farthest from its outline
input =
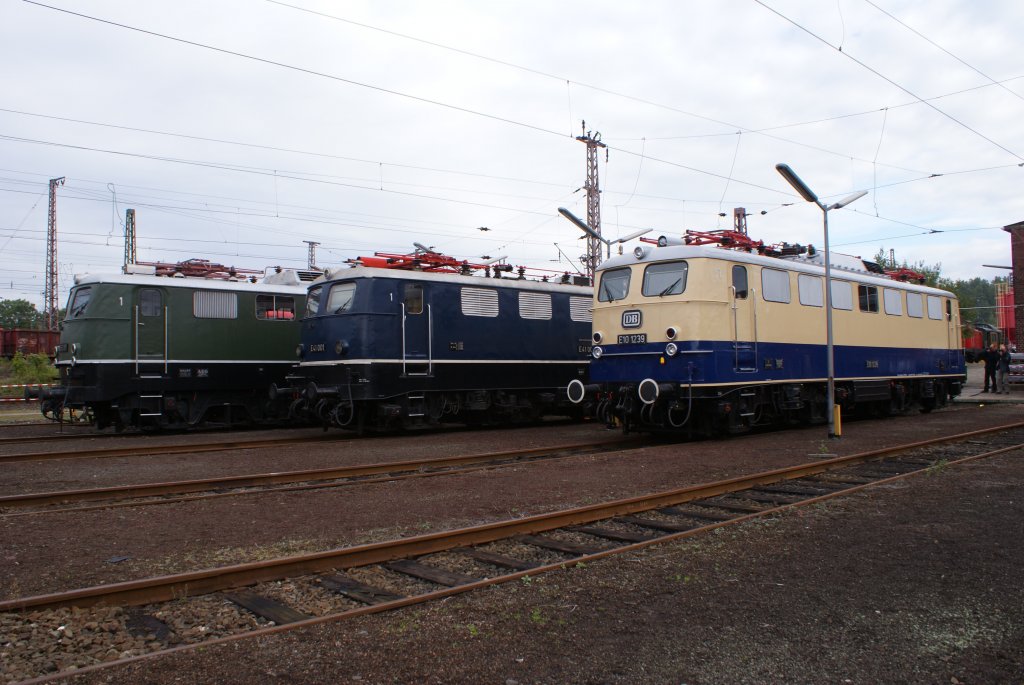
(310, 479)
(166, 613)
(221, 445)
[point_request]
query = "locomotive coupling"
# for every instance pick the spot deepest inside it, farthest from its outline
(577, 391)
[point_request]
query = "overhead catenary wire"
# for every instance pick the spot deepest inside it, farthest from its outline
(890, 81)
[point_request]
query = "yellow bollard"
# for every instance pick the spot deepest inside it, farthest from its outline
(837, 420)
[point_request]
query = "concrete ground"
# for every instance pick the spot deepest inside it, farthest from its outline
(972, 392)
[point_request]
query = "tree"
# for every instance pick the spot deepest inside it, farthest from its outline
(20, 314)
(977, 299)
(888, 261)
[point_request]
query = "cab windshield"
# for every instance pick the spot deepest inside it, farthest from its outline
(614, 285)
(79, 301)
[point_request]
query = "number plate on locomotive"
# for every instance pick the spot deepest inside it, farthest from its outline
(632, 338)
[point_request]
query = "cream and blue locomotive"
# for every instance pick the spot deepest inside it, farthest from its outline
(707, 340)
(408, 340)
(176, 345)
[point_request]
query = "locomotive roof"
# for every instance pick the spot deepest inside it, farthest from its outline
(509, 281)
(840, 270)
(243, 285)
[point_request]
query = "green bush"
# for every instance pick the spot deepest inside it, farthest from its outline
(34, 368)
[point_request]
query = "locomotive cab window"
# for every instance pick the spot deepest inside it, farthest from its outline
(614, 285)
(867, 296)
(775, 286)
(313, 300)
(667, 278)
(275, 307)
(413, 298)
(934, 307)
(739, 281)
(340, 298)
(149, 302)
(79, 302)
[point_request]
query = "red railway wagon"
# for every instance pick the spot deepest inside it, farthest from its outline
(27, 341)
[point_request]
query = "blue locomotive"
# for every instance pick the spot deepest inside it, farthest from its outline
(408, 340)
(695, 338)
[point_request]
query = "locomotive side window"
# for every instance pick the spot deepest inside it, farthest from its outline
(915, 308)
(934, 307)
(867, 296)
(841, 296)
(209, 304)
(149, 302)
(892, 301)
(579, 309)
(340, 298)
(275, 307)
(775, 286)
(614, 285)
(811, 292)
(739, 281)
(535, 306)
(313, 300)
(413, 298)
(479, 302)
(668, 278)
(79, 302)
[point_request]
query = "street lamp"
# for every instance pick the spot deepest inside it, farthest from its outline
(808, 194)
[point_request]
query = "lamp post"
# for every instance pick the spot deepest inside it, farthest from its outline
(808, 194)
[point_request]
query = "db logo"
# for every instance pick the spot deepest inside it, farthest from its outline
(631, 319)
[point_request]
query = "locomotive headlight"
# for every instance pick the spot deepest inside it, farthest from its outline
(598, 337)
(639, 251)
(340, 347)
(671, 332)
(299, 350)
(597, 352)
(671, 349)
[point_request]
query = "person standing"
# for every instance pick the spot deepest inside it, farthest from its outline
(991, 359)
(1003, 370)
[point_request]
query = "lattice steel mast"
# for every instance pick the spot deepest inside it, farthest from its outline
(592, 259)
(311, 259)
(50, 292)
(129, 237)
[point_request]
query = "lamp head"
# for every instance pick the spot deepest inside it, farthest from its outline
(798, 185)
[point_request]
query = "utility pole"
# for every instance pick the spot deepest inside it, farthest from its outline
(50, 292)
(592, 259)
(311, 259)
(129, 237)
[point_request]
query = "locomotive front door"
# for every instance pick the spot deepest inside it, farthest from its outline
(744, 322)
(150, 316)
(417, 351)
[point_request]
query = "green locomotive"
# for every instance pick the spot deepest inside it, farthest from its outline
(165, 346)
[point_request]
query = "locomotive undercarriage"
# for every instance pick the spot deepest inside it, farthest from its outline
(710, 411)
(366, 401)
(116, 397)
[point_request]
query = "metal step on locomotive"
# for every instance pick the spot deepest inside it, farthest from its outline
(715, 333)
(177, 345)
(401, 340)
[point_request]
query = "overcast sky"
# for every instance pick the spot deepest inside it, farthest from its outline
(238, 130)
